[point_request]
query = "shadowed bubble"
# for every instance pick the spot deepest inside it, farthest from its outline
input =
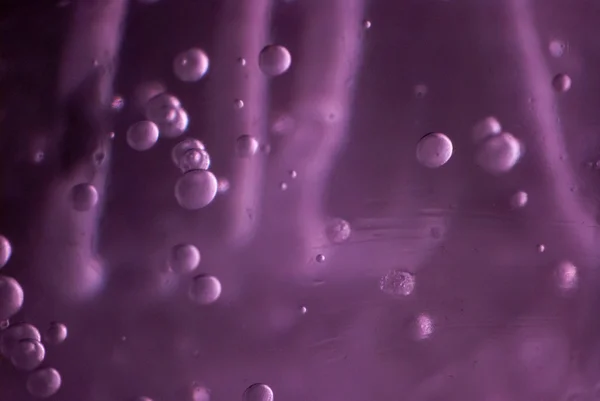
(10, 338)
(397, 283)
(499, 154)
(176, 126)
(56, 333)
(184, 258)
(485, 128)
(11, 297)
(205, 289)
(246, 146)
(44, 382)
(434, 150)
(5, 250)
(320, 258)
(194, 159)
(186, 144)
(338, 230)
(258, 392)
(142, 135)
(84, 197)
(518, 200)
(561, 82)
(190, 65)
(28, 354)
(274, 60)
(557, 48)
(196, 189)
(238, 103)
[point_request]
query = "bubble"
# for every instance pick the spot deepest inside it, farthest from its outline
(162, 108)
(518, 200)
(184, 258)
(196, 189)
(56, 333)
(111, 135)
(398, 283)
(274, 60)
(422, 327)
(561, 82)
(338, 230)
(366, 24)
(283, 186)
(44, 383)
(194, 159)
(117, 103)
(142, 398)
(205, 289)
(241, 61)
(179, 150)
(28, 354)
(320, 258)
(293, 174)
(200, 393)
(246, 146)
(541, 248)
(557, 47)
(485, 128)
(223, 185)
(142, 135)
(258, 392)
(11, 297)
(146, 91)
(434, 150)
(499, 154)
(175, 127)
(190, 65)
(84, 197)
(238, 103)
(5, 250)
(10, 338)
(283, 124)
(303, 310)
(420, 90)
(567, 277)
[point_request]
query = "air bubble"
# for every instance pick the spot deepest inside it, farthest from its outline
(196, 189)
(518, 200)
(485, 128)
(28, 354)
(293, 174)
(420, 90)
(238, 103)
(320, 258)
(56, 333)
(162, 108)
(194, 159)
(499, 154)
(283, 186)
(541, 248)
(176, 126)
(561, 82)
(223, 185)
(567, 277)
(11, 297)
(246, 146)
(241, 61)
(274, 60)
(146, 91)
(422, 327)
(117, 103)
(191, 65)
(44, 383)
(434, 150)
(178, 150)
(142, 135)
(258, 392)
(184, 258)
(5, 250)
(366, 24)
(84, 197)
(10, 338)
(398, 283)
(338, 230)
(557, 48)
(205, 289)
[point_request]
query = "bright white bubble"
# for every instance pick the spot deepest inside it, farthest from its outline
(142, 135)
(519, 200)
(84, 197)
(274, 60)
(191, 65)
(44, 383)
(184, 258)
(196, 189)
(205, 289)
(11, 297)
(5, 250)
(434, 150)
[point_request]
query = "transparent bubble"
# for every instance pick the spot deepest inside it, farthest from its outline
(293, 174)
(191, 65)
(422, 327)
(117, 103)
(184, 258)
(196, 189)
(142, 135)
(179, 150)
(258, 392)
(320, 258)
(557, 47)
(146, 91)
(84, 197)
(420, 90)
(176, 126)
(194, 159)
(5, 250)
(56, 333)
(10, 338)
(238, 103)
(561, 82)
(274, 60)
(518, 200)
(28, 354)
(499, 154)
(398, 283)
(485, 128)
(366, 24)
(283, 186)
(241, 61)
(44, 382)
(434, 150)
(338, 230)
(223, 185)
(567, 276)
(246, 145)
(162, 108)
(303, 310)
(205, 289)
(11, 297)
(541, 248)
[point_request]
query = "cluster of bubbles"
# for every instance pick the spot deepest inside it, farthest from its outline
(498, 152)
(197, 187)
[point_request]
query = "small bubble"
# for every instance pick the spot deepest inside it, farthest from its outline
(518, 200)
(557, 47)
(194, 159)
(303, 310)
(200, 393)
(11, 297)
(274, 60)
(420, 90)
(10, 338)
(205, 289)
(223, 185)
(28, 354)
(283, 186)
(423, 327)
(179, 150)
(541, 248)
(84, 197)
(111, 135)
(246, 146)
(398, 283)
(567, 277)
(5, 250)
(320, 258)
(184, 258)
(241, 61)
(117, 103)
(366, 24)
(434, 150)
(499, 154)
(190, 65)
(258, 392)
(485, 128)
(561, 82)
(44, 383)
(142, 135)
(338, 230)
(196, 189)
(56, 333)
(238, 103)
(293, 174)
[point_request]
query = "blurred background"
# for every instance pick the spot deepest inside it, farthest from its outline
(326, 200)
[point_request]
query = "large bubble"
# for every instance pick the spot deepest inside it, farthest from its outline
(142, 135)
(190, 65)
(196, 189)
(274, 60)
(5, 250)
(11, 297)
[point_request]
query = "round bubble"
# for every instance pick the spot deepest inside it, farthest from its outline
(246, 145)
(162, 108)
(238, 104)
(274, 60)
(561, 82)
(194, 159)
(258, 392)
(182, 147)
(190, 65)
(84, 197)
(420, 90)
(44, 383)
(28, 354)
(485, 128)
(196, 189)
(223, 185)
(184, 258)
(11, 297)
(422, 327)
(397, 282)
(56, 333)
(5, 250)
(338, 230)
(10, 338)
(117, 103)
(142, 135)
(499, 154)
(518, 200)
(434, 150)
(147, 91)
(320, 258)
(175, 127)
(205, 289)
(557, 47)
(566, 276)
(200, 393)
